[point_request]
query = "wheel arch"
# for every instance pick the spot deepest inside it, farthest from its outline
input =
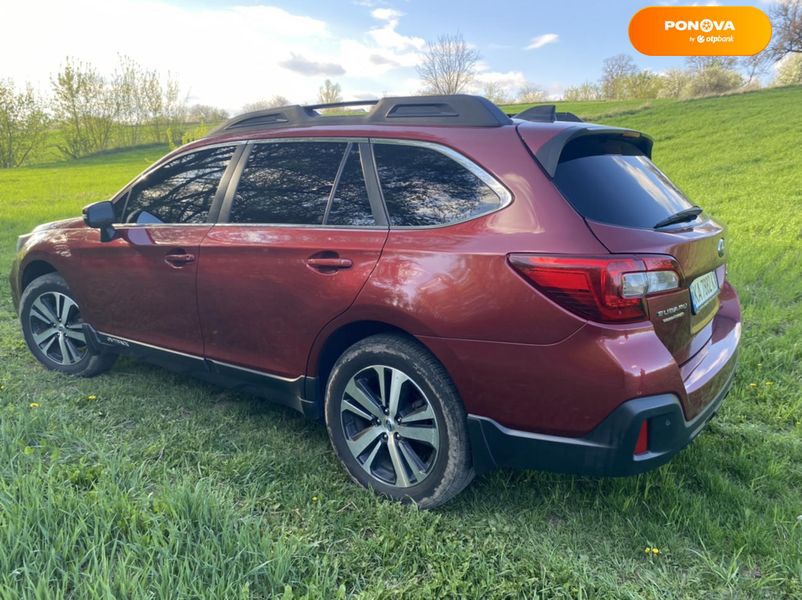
(330, 345)
(35, 268)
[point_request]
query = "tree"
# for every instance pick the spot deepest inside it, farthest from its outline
(615, 74)
(712, 75)
(274, 102)
(448, 65)
(789, 70)
(23, 124)
(494, 92)
(530, 93)
(204, 113)
(642, 85)
(674, 83)
(786, 19)
(583, 92)
(329, 93)
(87, 106)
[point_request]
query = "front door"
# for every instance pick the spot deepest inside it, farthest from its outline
(142, 285)
(296, 242)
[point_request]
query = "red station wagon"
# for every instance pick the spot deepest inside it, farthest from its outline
(452, 289)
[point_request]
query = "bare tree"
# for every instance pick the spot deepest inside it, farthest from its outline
(786, 18)
(530, 93)
(448, 65)
(615, 73)
(23, 124)
(329, 93)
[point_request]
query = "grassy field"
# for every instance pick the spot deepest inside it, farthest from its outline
(141, 483)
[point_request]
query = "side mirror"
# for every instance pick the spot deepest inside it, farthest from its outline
(100, 215)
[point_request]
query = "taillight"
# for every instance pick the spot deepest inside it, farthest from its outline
(642, 445)
(600, 288)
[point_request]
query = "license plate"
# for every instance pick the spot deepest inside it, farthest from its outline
(703, 290)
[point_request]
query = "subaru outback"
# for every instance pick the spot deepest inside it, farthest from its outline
(450, 288)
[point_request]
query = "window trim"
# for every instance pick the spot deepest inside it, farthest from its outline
(214, 208)
(371, 185)
(504, 194)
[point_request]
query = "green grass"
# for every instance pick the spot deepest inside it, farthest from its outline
(166, 487)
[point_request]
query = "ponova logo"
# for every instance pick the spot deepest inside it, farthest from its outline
(700, 30)
(706, 25)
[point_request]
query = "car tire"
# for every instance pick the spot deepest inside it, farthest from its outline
(396, 421)
(53, 329)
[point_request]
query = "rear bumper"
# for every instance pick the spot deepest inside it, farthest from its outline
(607, 450)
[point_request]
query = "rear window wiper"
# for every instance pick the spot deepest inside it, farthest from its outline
(689, 214)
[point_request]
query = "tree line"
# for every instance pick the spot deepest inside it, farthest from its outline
(89, 112)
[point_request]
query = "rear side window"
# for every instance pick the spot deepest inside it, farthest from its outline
(611, 181)
(180, 191)
(422, 186)
(291, 183)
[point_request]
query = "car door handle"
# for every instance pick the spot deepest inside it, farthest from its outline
(179, 259)
(329, 263)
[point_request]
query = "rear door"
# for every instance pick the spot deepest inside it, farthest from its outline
(628, 203)
(299, 236)
(141, 285)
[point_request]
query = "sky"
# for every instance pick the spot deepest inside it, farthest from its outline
(228, 53)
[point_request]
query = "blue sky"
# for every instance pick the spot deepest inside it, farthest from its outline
(231, 52)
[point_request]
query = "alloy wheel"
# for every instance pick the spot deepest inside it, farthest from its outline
(57, 328)
(389, 425)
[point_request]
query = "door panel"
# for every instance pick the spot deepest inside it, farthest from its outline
(139, 286)
(264, 292)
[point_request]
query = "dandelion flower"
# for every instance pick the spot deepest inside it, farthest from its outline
(91, 397)
(752, 385)
(314, 498)
(647, 550)
(655, 551)
(769, 383)
(34, 405)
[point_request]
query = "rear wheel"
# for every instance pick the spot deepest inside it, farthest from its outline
(53, 329)
(397, 423)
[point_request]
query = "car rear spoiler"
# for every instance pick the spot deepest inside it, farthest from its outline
(549, 153)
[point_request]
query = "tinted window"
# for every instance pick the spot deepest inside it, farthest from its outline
(287, 183)
(422, 186)
(611, 181)
(350, 205)
(181, 191)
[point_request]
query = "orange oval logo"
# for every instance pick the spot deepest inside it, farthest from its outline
(700, 30)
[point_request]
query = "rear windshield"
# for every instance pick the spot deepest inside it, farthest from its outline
(611, 181)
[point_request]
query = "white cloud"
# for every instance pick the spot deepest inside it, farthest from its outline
(541, 40)
(221, 55)
(386, 36)
(386, 14)
(509, 81)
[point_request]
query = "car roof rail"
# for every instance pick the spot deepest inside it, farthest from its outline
(546, 113)
(460, 110)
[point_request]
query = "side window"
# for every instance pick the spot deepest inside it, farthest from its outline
(350, 205)
(181, 191)
(422, 186)
(287, 183)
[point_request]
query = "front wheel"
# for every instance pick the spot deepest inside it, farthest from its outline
(53, 329)
(397, 423)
